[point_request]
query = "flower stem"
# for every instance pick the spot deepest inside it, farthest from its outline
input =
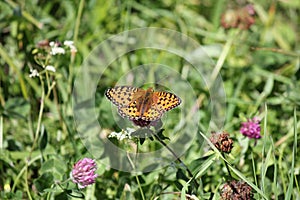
(23, 170)
(140, 187)
(36, 136)
(177, 158)
(77, 24)
(26, 181)
(136, 177)
(226, 165)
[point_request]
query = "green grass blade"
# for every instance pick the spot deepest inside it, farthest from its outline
(274, 184)
(263, 165)
(206, 165)
(292, 170)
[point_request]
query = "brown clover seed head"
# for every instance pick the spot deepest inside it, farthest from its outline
(222, 141)
(235, 190)
(229, 19)
(242, 18)
(43, 44)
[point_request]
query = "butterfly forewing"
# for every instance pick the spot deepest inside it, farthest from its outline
(167, 101)
(121, 96)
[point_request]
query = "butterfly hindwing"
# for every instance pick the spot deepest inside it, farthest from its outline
(129, 111)
(152, 114)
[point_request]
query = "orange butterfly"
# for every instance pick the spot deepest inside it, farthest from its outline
(141, 105)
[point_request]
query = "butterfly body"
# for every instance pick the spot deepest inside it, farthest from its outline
(144, 100)
(139, 104)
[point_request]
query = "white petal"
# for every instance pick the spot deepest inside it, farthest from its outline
(68, 43)
(33, 73)
(57, 50)
(52, 44)
(50, 68)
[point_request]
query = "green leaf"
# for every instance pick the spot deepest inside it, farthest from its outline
(55, 166)
(183, 193)
(16, 108)
(43, 138)
(11, 195)
(44, 181)
(161, 135)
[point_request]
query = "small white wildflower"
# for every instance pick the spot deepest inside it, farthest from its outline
(122, 137)
(68, 43)
(129, 132)
(57, 50)
(124, 134)
(113, 134)
(33, 73)
(116, 135)
(52, 44)
(73, 49)
(50, 68)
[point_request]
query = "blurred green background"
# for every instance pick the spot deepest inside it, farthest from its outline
(255, 50)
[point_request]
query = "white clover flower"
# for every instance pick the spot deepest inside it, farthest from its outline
(50, 68)
(124, 134)
(33, 73)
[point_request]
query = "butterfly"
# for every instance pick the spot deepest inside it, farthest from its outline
(141, 105)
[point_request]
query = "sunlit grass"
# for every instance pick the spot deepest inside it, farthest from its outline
(40, 139)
